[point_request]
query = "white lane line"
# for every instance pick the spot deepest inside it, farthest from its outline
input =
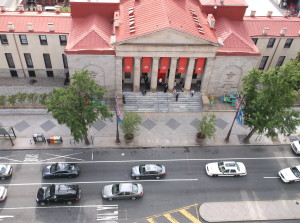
(271, 177)
(63, 156)
(100, 182)
(50, 207)
(11, 159)
(143, 161)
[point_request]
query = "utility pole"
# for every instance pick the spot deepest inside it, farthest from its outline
(117, 118)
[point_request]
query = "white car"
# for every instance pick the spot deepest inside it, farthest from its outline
(290, 175)
(296, 147)
(226, 168)
(3, 193)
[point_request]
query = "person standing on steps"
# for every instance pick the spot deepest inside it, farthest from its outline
(192, 93)
(166, 88)
(177, 96)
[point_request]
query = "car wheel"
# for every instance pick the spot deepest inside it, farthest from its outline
(2, 178)
(157, 178)
(237, 175)
(214, 175)
(291, 182)
(69, 203)
(110, 199)
(137, 178)
(42, 203)
(133, 198)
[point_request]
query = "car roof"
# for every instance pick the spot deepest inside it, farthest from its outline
(65, 189)
(125, 187)
(230, 165)
(62, 166)
(151, 167)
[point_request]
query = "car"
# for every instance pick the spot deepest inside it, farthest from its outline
(296, 146)
(156, 171)
(3, 193)
(122, 191)
(290, 175)
(5, 171)
(58, 193)
(226, 168)
(61, 170)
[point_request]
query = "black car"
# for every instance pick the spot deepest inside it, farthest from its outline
(61, 170)
(58, 193)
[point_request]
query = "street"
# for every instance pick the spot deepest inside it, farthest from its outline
(185, 187)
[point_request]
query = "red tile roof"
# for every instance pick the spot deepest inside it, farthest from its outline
(235, 38)
(39, 20)
(226, 2)
(255, 25)
(155, 15)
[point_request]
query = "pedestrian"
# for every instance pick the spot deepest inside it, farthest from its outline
(192, 93)
(174, 91)
(160, 81)
(177, 96)
(181, 81)
(148, 85)
(175, 84)
(166, 88)
(144, 92)
(124, 102)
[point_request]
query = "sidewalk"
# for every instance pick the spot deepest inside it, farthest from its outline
(157, 130)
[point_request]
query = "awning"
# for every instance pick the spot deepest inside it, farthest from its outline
(181, 68)
(164, 65)
(128, 61)
(146, 64)
(200, 65)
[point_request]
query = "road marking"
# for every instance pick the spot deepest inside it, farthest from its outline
(92, 154)
(31, 158)
(151, 220)
(170, 218)
(101, 182)
(5, 157)
(50, 207)
(271, 177)
(65, 156)
(189, 216)
(143, 161)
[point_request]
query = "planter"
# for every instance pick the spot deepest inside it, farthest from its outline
(200, 137)
(128, 141)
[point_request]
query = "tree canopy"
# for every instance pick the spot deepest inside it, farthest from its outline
(79, 105)
(269, 98)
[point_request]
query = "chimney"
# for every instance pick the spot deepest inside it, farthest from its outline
(2, 8)
(286, 14)
(222, 2)
(21, 8)
(265, 31)
(211, 21)
(57, 8)
(51, 27)
(252, 14)
(30, 26)
(269, 14)
(39, 8)
(11, 26)
(283, 31)
(116, 19)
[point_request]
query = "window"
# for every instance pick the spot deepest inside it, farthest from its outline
(280, 61)
(10, 60)
(43, 39)
(65, 61)
(254, 40)
(127, 75)
(63, 39)
(3, 38)
(28, 60)
(194, 76)
(47, 60)
(288, 43)
(23, 39)
(50, 74)
(13, 73)
(263, 62)
(31, 73)
(271, 42)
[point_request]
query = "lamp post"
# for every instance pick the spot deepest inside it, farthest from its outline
(236, 114)
(117, 132)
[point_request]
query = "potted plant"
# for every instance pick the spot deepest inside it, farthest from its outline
(130, 125)
(206, 127)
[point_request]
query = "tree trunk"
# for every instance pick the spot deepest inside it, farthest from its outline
(247, 138)
(86, 140)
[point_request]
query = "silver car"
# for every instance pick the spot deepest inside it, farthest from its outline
(3, 193)
(122, 191)
(5, 171)
(156, 171)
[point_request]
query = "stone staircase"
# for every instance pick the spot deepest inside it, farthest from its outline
(162, 102)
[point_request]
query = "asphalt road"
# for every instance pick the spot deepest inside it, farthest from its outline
(185, 187)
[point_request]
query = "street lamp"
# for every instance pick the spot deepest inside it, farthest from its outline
(116, 107)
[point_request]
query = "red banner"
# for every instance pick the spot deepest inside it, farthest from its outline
(200, 65)
(128, 61)
(146, 64)
(164, 65)
(181, 68)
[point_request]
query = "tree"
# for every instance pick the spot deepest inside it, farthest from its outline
(79, 105)
(130, 125)
(207, 126)
(269, 97)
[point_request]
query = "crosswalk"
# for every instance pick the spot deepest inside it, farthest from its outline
(188, 214)
(108, 213)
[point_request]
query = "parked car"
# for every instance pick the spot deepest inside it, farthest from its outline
(156, 171)
(226, 168)
(122, 191)
(58, 193)
(61, 170)
(5, 171)
(3, 193)
(290, 175)
(296, 147)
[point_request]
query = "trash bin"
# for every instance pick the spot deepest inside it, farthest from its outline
(55, 139)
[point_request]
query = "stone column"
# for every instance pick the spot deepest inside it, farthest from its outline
(119, 68)
(137, 74)
(154, 74)
(189, 75)
(207, 75)
(172, 73)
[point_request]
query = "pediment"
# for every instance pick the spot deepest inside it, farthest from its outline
(167, 37)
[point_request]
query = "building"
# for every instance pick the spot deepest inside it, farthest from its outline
(208, 45)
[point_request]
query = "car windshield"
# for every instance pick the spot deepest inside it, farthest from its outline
(142, 168)
(53, 168)
(47, 192)
(134, 188)
(295, 171)
(115, 188)
(2, 169)
(221, 166)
